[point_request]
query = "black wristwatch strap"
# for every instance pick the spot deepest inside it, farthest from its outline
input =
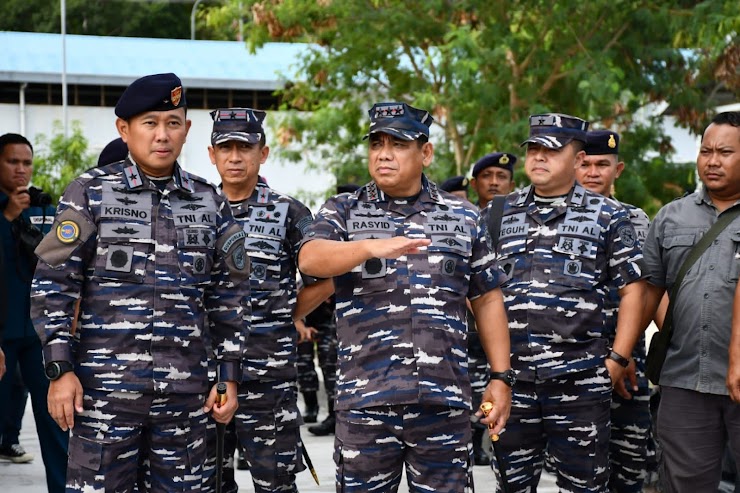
(56, 369)
(508, 377)
(615, 356)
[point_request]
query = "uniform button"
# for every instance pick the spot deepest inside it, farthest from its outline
(716, 242)
(706, 295)
(711, 267)
(704, 327)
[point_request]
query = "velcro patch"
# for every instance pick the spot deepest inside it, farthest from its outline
(71, 229)
(231, 245)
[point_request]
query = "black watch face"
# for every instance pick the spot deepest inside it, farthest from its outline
(52, 371)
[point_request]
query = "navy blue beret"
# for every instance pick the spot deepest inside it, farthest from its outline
(600, 142)
(242, 124)
(399, 120)
(455, 184)
(555, 130)
(158, 92)
(115, 151)
(499, 159)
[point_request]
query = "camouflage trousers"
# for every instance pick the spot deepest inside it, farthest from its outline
(569, 418)
(632, 444)
(268, 428)
(372, 446)
(125, 442)
(326, 347)
(478, 371)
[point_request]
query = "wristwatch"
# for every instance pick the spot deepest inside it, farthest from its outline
(615, 356)
(56, 369)
(508, 376)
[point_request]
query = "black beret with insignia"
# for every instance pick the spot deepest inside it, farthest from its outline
(499, 159)
(455, 184)
(555, 130)
(158, 92)
(601, 142)
(399, 120)
(242, 124)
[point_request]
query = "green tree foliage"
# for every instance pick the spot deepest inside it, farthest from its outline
(483, 66)
(149, 19)
(59, 160)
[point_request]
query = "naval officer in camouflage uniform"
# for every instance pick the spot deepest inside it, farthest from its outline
(151, 250)
(268, 421)
(563, 247)
(631, 446)
(404, 257)
(493, 174)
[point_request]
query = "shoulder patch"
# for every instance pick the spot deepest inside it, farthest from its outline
(68, 231)
(303, 224)
(231, 246)
(71, 229)
(627, 235)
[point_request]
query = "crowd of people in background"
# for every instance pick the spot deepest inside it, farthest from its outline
(165, 327)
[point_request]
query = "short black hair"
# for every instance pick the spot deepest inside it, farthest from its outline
(727, 118)
(8, 139)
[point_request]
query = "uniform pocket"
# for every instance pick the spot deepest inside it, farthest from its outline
(122, 261)
(734, 272)
(676, 244)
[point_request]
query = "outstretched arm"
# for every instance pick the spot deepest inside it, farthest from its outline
(330, 258)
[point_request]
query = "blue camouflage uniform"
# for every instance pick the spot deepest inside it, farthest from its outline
(157, 265)
(268, 420)
(632, 444)
(22, 347)
(561, 259)
(402, 339)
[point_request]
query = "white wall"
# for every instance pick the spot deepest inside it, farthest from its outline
(98, 126)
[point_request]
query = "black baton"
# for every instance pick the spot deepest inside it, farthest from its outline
(486, 407)
(220, 431)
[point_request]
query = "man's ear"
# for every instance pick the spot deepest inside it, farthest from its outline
(620, 168)
(122, 127)
(264, 152)
(427, 152)
(212, 154)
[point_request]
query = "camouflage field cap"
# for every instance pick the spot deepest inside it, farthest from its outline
(555, 130)
(399, 120)
(158, 92)
(242, 124)
(600, 142)
(499, 159)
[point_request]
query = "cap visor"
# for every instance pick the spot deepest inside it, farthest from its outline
(219, 138)
(549, 141)
(394, 132)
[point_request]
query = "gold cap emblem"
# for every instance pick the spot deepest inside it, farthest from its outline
(503, 159)
(612, 143)
(176, 95)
